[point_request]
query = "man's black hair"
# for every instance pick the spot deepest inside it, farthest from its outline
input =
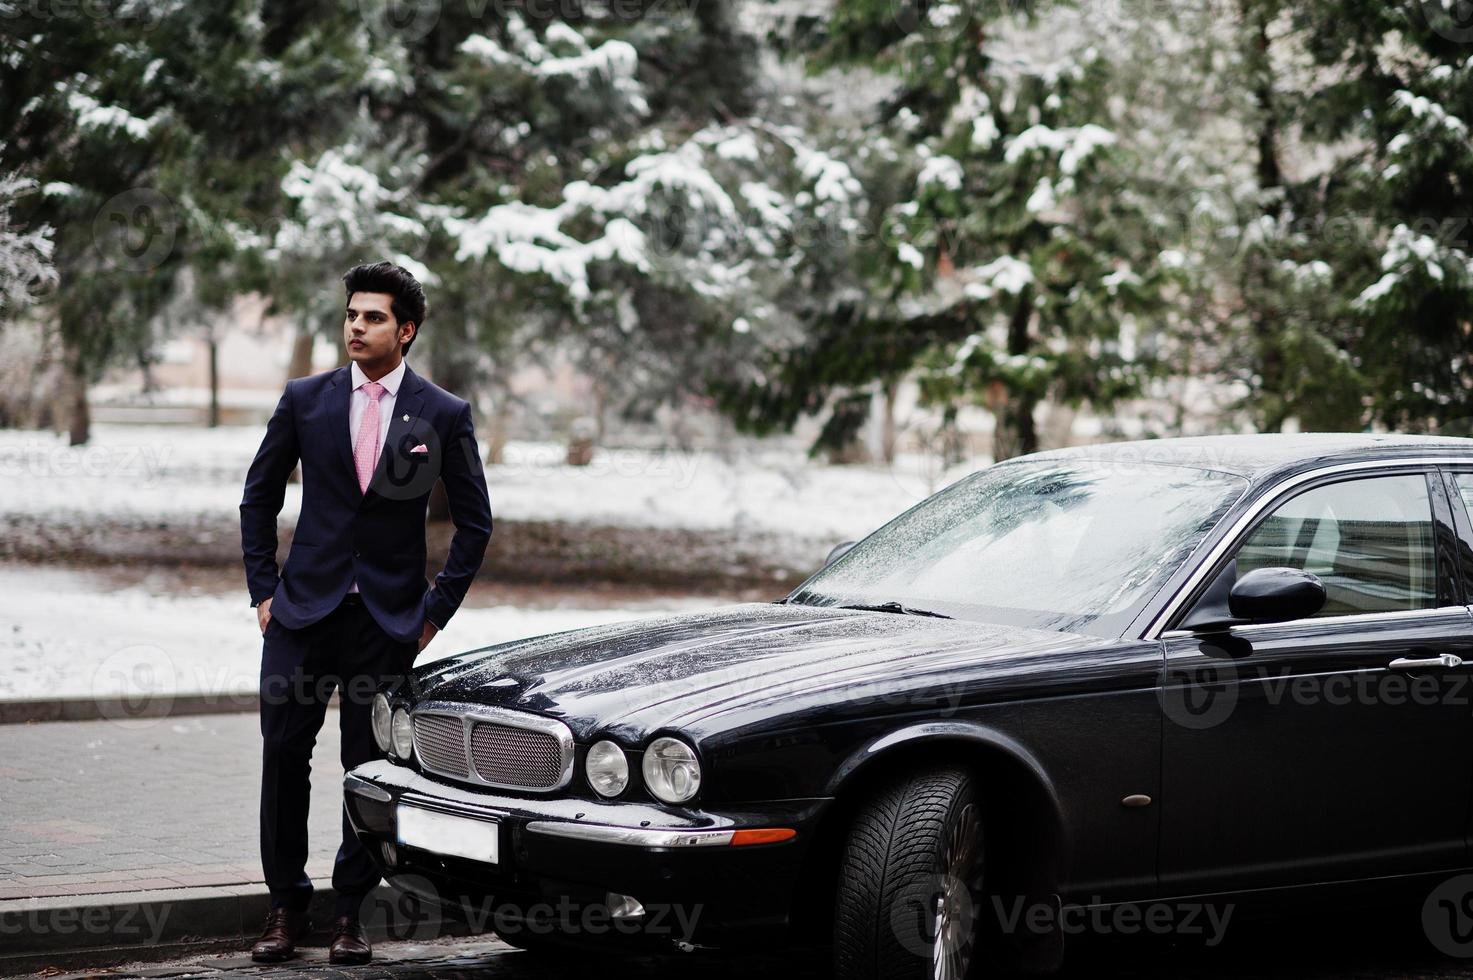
(386, 277)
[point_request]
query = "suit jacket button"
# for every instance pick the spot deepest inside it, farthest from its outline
(357, 555)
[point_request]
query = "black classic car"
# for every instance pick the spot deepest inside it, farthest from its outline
(1079, 680)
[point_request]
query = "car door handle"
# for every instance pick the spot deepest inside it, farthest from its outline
(1415, 663)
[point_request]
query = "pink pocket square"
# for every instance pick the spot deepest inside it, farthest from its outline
(421, 448)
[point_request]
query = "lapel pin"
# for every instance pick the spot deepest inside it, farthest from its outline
(406, 418)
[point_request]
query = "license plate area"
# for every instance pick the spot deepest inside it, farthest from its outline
(449, 833)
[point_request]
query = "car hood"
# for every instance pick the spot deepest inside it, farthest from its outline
(735, 666)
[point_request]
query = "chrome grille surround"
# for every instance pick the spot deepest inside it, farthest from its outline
(497, 747)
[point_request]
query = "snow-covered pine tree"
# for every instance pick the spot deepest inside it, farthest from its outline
(1013, 260)
(644, 218)
(1390, 107)
(157, 136)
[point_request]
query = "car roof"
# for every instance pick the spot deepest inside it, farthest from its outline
(1263, 455)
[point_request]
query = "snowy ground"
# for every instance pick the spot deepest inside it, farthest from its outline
(73, 632)
(78, 633)
(133, 472)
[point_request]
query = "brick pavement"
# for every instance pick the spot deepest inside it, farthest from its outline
(91, 807)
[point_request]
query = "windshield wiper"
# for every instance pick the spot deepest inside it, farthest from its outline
(895, 607)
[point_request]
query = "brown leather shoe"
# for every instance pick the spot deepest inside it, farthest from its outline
(349, 942)
(278, 940)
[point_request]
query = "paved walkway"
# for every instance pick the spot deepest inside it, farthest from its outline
(92, 807)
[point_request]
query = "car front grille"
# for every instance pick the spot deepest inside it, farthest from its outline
(515, 757)
(440, 742)
(507, 749)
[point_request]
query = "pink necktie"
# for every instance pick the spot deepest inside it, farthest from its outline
(365, 449)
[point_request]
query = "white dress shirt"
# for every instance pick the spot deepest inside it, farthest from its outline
(358, 404)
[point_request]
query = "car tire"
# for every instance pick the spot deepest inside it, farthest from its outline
(913, 858)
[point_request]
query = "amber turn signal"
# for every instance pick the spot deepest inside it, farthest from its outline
(771, 835)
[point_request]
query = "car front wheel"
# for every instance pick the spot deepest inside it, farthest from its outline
(910, 880)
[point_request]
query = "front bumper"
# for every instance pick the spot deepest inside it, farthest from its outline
(561, 858)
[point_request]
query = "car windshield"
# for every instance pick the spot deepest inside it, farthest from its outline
(1062, 544)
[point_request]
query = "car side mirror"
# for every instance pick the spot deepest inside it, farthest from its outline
(1276, 595)
(840, 550)
(1264, 595)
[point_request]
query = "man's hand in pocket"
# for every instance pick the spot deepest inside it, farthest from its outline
(427, 634)
(263, 614)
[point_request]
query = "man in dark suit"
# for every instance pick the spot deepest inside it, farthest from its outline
(351, 607)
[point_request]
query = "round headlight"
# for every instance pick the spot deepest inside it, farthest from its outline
(608, 770)
(381, 717)
(401, 734)
(671, 770)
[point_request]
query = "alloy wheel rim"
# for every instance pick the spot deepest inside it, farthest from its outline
(951, 951)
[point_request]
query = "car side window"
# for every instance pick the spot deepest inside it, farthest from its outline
(1370, 541)
(1464, 482)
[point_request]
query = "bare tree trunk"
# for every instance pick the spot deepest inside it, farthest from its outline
(1273, 395)
(80, 425)
(887, 430)
(952, 444)
(1015, 433)
(600, 410)
(498, 429)
(301, 362)
(214, 349)
(727, 56)
(452, 362)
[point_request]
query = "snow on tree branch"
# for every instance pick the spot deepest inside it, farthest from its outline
(25, 256)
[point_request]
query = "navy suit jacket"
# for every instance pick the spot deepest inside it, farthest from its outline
(377, 537)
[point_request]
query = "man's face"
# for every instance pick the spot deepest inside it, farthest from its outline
(370, 332)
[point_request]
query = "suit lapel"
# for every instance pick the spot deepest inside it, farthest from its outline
(339, 391)
(407, 404)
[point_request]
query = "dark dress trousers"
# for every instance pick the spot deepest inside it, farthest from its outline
(322, 637)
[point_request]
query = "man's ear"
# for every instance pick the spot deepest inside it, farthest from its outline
(413, 329)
